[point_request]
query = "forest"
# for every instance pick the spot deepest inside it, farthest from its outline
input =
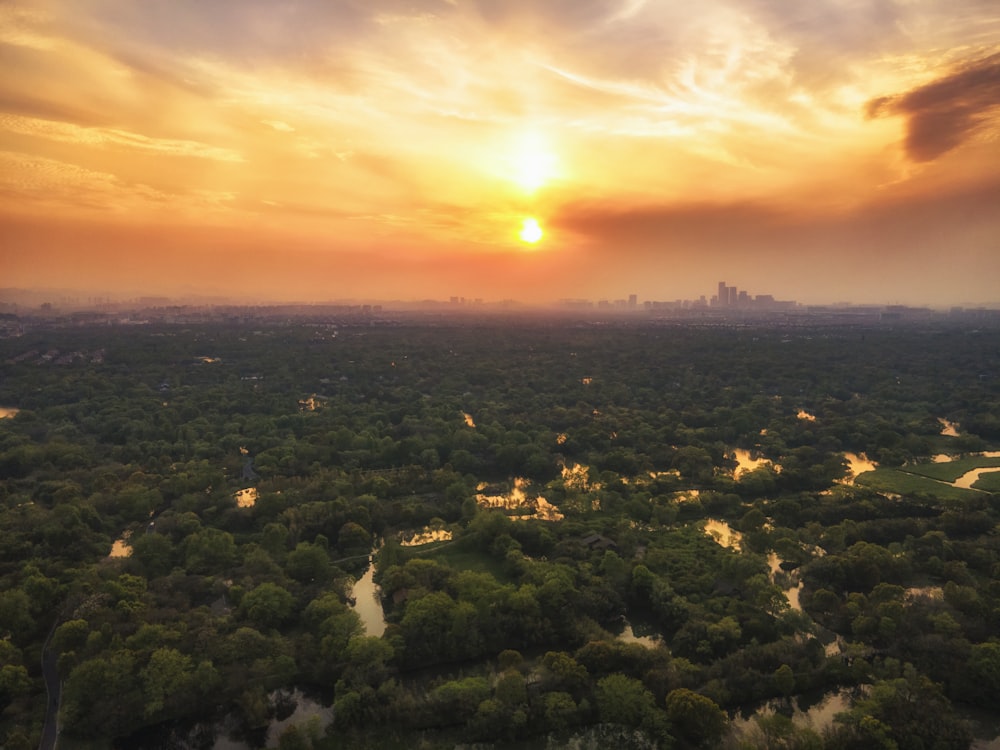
(669, 535)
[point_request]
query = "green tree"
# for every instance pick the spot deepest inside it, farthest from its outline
(623, 700)
(696, 717)
(982, 674)
(510, 689)
(15, 618)
(153, 554)
(784, 680)
(166, 677)
(209, 551)
(367, 661)
(268, 605)
(103, 697)
(308, 563)
(560, 710)
(459, 699)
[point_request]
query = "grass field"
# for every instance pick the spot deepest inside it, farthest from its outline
(460, 557)
(934, 478)
(989, 482)
(907, 483)
(952, 470)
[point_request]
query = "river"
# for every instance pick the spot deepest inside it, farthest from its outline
(969, 478)
(367, 597)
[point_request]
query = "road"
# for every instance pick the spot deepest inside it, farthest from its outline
(50, 673)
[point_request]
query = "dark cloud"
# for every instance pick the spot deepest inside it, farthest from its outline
(946, 112)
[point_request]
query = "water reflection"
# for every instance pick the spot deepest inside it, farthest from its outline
(517, 499)
(367, 598)
(745, 463)
(246, 498)
(641, 633)
(948, 428)
(788, 580)
(985, 727)
(925, 592)
(722, 533)
(858, 463)
(577, 477)
(969, 478)
(121, 547)
(310, 404)
(816, 716)
(686, 496)
(836, 646)
(307, 711)
(428, 535)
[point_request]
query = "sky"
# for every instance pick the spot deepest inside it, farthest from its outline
(317, 150)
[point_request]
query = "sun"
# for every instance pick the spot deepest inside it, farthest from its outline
(530, 231)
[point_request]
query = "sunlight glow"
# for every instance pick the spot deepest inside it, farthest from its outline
(530, 231)
(533, 164)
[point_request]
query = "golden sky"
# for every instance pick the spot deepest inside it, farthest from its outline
(329, 149)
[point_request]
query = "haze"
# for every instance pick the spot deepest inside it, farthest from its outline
(819, 151)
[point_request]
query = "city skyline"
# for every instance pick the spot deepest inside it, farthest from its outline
(311, 151)
(727, 300)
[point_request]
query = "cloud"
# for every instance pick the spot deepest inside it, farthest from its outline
(110, 137)
(42, 186)
(947, 112)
